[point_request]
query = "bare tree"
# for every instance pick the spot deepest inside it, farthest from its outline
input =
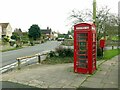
(104, 19)
(77, 16)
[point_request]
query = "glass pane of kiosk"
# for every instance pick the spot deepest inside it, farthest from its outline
(82, 50)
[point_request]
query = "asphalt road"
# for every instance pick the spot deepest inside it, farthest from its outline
(10, 56)
(109, 48)
(13, 86)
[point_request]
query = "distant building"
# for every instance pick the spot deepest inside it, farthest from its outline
(17, 30)
(51, 35)
(5, 29)
(47, 32)
(55, 35)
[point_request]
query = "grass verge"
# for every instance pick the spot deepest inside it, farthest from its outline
(11, 49)
(58, 60)
(108, 54)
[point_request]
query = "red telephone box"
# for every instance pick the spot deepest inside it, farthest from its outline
(84, 48)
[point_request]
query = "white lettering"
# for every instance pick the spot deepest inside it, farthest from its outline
(80, 28)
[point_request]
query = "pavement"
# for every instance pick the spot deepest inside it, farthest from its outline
(105, 77)
(62, 76)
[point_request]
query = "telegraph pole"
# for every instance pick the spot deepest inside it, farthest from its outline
(94, 11)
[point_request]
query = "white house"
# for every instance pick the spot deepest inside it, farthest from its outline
(5, 29)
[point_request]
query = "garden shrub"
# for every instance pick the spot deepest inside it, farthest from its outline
(32, 43)
(52, 54)
(12, 43)
(64, 52)
(68, 52)
(6, 39)
(60, 51)
(25, 41)
(36, 42)
(60, 55)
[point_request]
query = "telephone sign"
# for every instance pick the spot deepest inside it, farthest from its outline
(81, 28)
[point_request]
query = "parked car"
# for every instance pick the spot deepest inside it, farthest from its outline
(60, 39)
(12, 42)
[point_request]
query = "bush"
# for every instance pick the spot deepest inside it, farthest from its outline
(68, 52)
(36, 42)
(12, 43)
(6, 39)
(32, 43)
(64, 52)
(25, 41)
(52, 54)
(60, 51)
(42, 41)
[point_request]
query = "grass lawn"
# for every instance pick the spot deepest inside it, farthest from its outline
(58, 60)
(115, 38)
(11, 49)
(108, 54)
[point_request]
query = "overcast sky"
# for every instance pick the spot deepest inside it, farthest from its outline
(46, 13)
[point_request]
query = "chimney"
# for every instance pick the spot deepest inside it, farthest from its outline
(47, 28)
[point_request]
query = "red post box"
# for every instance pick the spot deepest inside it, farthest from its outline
(102, 43)
(84, 48)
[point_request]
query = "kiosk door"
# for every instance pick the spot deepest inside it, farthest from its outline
(82, 55)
